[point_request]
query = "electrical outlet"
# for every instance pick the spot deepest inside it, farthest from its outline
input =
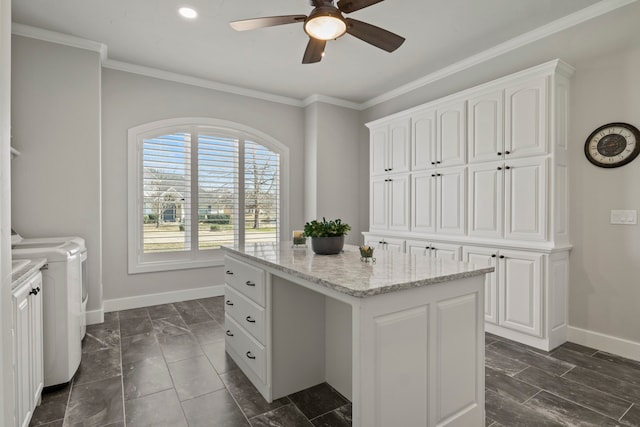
(625, 217)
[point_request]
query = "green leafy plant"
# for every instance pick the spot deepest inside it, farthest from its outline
(326, 228)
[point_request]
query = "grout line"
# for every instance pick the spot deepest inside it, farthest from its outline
(328, 412)
(625, 412)
(537, 393)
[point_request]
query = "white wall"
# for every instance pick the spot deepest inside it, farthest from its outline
(56, 126)
(130, 100)
(6, 351)
(333, 166)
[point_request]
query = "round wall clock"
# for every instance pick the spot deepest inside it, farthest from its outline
(613, 145)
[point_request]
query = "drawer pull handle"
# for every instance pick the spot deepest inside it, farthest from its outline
(229, 333)
(250, 320)
(228, 302)
(250, 356)
(250, 283)
(229, 272)
(34, 291)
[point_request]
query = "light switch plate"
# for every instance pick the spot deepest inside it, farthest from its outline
(626, 217)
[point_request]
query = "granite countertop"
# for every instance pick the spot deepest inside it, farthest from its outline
(345, 272)
(24, 273)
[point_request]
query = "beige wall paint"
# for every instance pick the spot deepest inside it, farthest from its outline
(130, 100)
(56, 126)
(605, 261)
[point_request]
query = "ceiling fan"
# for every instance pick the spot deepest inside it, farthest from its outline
(325, 22)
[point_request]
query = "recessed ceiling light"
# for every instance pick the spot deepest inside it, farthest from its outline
(187, 12)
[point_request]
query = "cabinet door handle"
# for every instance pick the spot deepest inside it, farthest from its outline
(250, 319)
(390, 169)
(499, 168)
(229, 333)
(33, 292)
(501, 256)
(229, 272)
(433, 175)
(493, 255)
(438, 162)
(250, 283)
(507, 152)
(250, 356)
(390, 180)
(499, 153)
(228, 302)
(507, 167)
(433, 163)
(438, 174)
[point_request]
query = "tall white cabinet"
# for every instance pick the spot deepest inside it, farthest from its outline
(486, 170)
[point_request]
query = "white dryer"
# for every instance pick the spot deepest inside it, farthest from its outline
(63, 315)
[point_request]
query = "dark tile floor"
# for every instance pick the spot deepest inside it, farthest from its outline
(166, 366)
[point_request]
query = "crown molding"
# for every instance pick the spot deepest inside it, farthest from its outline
(312, 99)
(593, 11)
(195, 81)
(59, 38)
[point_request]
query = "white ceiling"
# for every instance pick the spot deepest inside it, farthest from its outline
(439, 33)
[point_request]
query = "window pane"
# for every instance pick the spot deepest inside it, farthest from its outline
(262, 193)
(166, 192)
(217, 191)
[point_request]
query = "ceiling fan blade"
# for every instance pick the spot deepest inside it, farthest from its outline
(318, 3)
(314, 51)
(348, 6)
(385, 40)
(267, 21)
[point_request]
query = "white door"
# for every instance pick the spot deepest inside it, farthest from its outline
(22, 353)
(379, 209)
(526, 118)
(37, 367)
(418, 247)
(378, 157)
(451, 184)
(398, 201)
(423, 140)
(399, 146)
(423, 202)
(521, 291)
(525, 199)
(485, 257)
(486, 127)
(446, 251)
(452, 134)
(486, 199)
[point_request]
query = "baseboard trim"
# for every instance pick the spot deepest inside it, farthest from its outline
(162, 298)
(610, 344)
(95, 317)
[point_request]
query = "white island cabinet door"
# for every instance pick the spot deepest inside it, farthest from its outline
(526, 118)
(486, 127)
(486, 199)
(521, 291)
(526, 199)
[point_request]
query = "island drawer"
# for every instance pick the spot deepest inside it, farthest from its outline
(245, 278)
(251, 352)
(245, 312)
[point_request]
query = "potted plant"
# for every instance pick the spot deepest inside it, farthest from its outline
(327, 237)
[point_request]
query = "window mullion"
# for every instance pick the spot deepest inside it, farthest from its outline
(195, 172)
(241, 199)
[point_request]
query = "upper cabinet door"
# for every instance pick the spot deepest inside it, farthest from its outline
(486, 127)
(452, 134)
(526, 199)
(526, 119)
(378, 149)
(399, 146)
(423, 140)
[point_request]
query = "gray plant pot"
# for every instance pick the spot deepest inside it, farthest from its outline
(327, 245)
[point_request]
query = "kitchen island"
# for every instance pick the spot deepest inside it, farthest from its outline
(402, 337)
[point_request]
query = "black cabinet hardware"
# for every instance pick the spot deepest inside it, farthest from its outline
(499, 154)
(229, 333)
(229, 272)
(499, 168)
(250, 319)
(501, 256)
(507, 152)
(493, 256)
(250, 356)
(250, 283)
(228, 302)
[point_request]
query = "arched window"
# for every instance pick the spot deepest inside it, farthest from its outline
(197, 184)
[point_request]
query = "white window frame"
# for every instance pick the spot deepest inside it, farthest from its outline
(138, 261)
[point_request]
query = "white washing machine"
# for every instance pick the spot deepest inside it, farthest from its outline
(63, 315)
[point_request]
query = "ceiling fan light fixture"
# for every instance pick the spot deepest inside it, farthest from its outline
(188, 12)
(325, 25)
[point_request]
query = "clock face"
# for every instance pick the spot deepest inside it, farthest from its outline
(613, 145)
